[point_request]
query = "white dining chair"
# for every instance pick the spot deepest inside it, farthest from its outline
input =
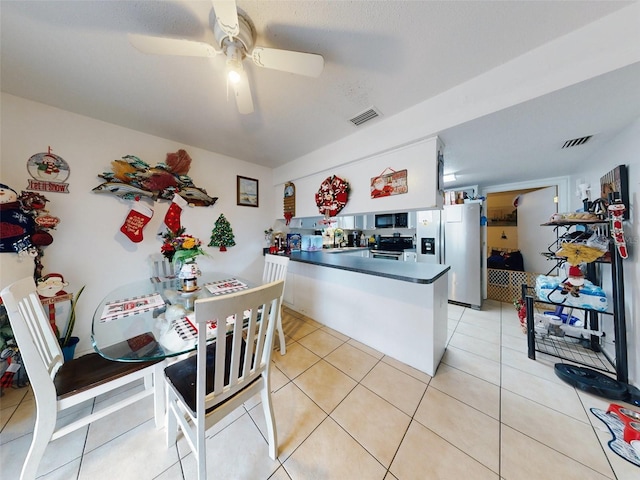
(275, 268)
(58, 385)
(161, 267)
(204, 388)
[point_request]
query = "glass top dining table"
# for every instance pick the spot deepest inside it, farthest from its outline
(153, 318)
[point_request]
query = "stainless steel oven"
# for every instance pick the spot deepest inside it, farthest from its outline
(387, 255)
(391, 247)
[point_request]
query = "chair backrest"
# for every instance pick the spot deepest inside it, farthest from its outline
(160, 266)
(246, 322)
(39, 347)
(275, 268)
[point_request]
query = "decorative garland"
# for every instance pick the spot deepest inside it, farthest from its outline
(332, 196)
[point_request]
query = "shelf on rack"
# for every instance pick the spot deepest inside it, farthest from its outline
(551, 256)
(572, 223)
(571, 348)
(594, 355)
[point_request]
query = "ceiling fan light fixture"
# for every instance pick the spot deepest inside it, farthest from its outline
(234, 63)
(234, 76)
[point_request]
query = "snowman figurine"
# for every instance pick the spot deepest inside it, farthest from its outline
(188, 274)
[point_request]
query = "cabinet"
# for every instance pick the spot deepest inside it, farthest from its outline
(584, 348)
(369, 222)
(306, 222)
(350, 222)
(412, 219)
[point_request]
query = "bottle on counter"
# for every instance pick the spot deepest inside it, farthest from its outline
(363, 240)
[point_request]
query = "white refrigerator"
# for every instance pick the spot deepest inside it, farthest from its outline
(453, 236)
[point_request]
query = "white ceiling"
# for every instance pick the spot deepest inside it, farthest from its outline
(389, 54)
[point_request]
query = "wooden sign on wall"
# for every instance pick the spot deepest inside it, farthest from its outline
(289, 201)
(616, 183)
(387, 184)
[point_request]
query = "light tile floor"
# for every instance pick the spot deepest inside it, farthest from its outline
(345, 411)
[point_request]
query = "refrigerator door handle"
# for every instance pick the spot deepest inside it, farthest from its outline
(442, 250)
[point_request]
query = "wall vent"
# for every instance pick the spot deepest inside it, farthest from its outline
(576, 141)
(369, 114)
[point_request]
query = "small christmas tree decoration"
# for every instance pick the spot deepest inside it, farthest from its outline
(222, 234)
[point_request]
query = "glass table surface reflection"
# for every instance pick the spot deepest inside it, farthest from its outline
(153, 318)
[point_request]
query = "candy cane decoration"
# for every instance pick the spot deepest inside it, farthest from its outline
(616, 214)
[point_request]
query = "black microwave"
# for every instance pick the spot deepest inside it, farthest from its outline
(392, 220)
(401, 220)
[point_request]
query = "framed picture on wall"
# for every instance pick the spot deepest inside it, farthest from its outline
(247, 191)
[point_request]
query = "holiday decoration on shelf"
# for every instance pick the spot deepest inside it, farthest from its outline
(48, 172)
(289, 202)
(178, 246)
(222, 234)
(132, 178)
(574, 282)
(332, 196)
(172, 217)
(136, 220)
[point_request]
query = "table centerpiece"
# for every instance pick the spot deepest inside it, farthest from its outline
(182, 249)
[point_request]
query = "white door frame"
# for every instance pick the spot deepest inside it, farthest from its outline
(561, 183)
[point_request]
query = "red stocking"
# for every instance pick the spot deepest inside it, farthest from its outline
(138, 217)
(172, 217)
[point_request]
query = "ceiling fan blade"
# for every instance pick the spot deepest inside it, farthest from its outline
(227, 16)
(243, 94)
(308, 64)
(171, 46)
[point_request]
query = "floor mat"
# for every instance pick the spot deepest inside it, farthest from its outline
(617, 444)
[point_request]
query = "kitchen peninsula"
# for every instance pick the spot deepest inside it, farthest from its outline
(397, 308)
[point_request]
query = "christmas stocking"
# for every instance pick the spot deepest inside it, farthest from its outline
(138, 217)
(172, 218)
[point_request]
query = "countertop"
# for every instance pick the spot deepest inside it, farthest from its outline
(405, 271)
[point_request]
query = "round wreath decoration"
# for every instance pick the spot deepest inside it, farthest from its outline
(332, 196)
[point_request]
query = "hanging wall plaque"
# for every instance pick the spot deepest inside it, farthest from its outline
(289, 201)
(386, 184)
(48, 172)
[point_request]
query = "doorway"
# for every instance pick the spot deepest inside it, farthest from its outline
(514, 219)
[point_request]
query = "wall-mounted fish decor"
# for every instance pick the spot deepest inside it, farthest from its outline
(132, 178)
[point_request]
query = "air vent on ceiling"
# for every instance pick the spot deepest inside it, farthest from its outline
(576, 141)
(362, 117)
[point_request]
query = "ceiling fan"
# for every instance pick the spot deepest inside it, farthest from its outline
(235, 38)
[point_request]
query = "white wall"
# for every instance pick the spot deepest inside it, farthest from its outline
(419, 159)
(88, 248)
(593, 50)
(622, 150)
